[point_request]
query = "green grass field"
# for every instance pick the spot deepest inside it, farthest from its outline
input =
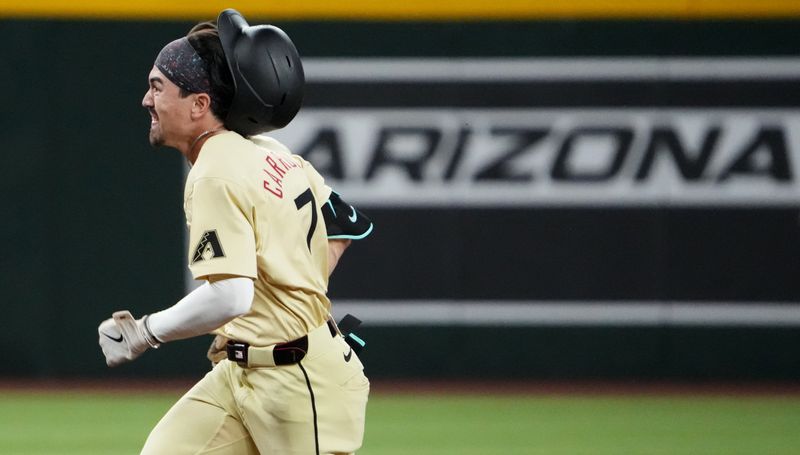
(102, 423)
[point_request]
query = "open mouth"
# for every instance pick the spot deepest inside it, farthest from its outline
(153, 117)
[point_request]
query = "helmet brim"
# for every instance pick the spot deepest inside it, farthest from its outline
(230, 26)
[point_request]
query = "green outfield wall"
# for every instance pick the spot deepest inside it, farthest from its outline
(93, 222)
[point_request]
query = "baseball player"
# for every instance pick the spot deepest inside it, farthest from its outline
(265, 233)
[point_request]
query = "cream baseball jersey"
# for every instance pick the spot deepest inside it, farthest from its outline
(254, 210)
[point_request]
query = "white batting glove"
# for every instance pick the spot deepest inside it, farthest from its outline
(123, 338)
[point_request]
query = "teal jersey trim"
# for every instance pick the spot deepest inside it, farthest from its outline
(357, 339)
(332, 209)
(352, 237)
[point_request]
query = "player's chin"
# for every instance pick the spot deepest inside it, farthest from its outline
(156, 139)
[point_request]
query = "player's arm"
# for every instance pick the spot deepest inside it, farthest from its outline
(222, 252)
(342, 220)
(344, 223)
(219, 300)
(216, 302)
(336, 249)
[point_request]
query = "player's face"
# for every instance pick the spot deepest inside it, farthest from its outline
(169, 112)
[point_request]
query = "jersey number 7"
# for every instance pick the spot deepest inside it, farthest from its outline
(300, 201)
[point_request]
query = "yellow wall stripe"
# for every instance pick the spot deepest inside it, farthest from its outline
(403, 9)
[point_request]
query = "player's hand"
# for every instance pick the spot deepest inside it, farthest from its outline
(123, 338)
(217, 352)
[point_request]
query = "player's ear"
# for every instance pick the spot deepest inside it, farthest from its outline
(202, 105)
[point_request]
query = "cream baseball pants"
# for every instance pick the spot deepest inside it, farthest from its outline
(315, 406)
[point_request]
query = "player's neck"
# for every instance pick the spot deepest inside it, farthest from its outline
(197, 144)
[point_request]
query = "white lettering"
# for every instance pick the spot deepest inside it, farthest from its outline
(467, 157)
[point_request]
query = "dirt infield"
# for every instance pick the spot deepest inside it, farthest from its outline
(432, 387)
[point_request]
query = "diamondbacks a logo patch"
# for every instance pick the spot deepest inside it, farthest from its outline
(208, 247)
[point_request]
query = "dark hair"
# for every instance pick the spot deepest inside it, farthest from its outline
(204, 38)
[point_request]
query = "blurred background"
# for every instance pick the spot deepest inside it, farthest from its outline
(562, 191)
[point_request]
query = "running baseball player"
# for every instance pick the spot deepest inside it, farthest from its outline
(265, 233)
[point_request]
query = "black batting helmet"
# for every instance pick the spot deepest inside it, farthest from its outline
(267, 75)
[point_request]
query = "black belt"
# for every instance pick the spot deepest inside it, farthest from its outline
(282, 354)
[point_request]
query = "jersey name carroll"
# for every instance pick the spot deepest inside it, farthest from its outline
(276, 168)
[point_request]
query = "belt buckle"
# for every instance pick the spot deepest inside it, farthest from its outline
(237, 352)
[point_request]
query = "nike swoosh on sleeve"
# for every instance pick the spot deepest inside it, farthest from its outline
(118, 340)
